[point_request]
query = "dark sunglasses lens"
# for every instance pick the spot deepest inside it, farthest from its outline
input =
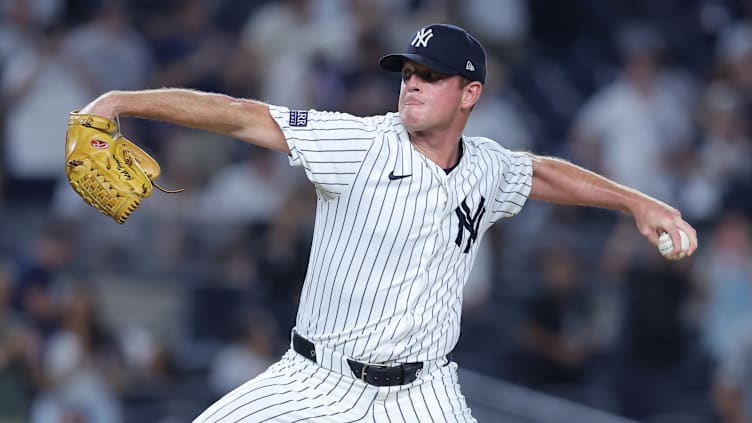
(426, 75)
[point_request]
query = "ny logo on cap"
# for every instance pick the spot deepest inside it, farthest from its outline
(422, 37)
(470, 66)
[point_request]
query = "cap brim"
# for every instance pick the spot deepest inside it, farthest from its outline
(394, 62)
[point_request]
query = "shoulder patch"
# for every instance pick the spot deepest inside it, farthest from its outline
(298, 118)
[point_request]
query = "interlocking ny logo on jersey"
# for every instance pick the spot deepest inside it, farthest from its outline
(422, 37)
(469, 222)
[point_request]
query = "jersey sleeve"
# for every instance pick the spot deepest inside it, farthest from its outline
(515, 183)
(330, 146)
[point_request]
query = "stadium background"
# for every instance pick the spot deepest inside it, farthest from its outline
(153, 320)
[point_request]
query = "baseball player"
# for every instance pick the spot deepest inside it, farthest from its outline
(403, 202)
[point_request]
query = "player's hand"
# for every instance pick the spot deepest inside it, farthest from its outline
(103, 106)
(108, 171)
(654, 217)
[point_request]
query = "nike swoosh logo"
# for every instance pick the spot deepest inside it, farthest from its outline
(393, 177)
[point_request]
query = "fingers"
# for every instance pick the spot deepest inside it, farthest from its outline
(692, 234)
(656, 218)
(689, 245)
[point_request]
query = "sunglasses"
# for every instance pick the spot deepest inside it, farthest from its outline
(426, 75)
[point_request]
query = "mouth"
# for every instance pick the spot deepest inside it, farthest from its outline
(412, 102)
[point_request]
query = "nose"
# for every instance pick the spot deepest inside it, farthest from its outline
(412, 82)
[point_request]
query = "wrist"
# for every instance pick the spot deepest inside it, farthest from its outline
(105, 105)
(632, 202)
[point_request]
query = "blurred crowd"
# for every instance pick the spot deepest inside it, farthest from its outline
(197, 292)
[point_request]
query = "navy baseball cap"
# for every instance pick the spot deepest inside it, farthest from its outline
(444, 48)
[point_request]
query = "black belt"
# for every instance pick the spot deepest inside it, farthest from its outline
(372, 374)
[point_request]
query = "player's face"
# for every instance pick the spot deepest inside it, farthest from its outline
(428, 99)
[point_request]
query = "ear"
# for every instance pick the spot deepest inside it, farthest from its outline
(470, 94)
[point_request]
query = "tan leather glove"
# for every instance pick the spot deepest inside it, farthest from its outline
(108, 171)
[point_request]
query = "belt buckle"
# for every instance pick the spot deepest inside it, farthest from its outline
(366, 366)
(363, 373)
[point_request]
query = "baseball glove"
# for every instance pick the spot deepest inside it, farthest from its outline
(108, 171)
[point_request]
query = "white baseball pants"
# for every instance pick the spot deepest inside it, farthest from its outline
(296, 389)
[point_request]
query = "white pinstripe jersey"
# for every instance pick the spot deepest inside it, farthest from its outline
(395, 235)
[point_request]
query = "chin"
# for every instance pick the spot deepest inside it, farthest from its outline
(410, 121)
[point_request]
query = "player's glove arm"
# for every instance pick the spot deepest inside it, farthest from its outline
(108, 171)
(247, 120)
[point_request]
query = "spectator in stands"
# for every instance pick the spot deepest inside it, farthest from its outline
(498, 114)
(733, 383)
(722, 166)
(252, 351)
(19, 346)
(502, 26)
(654, 341)
(42, 85)
(83, 365)
(630, 128)
(188, 50)
(153, 374)
(247, 191)
(557, 332)
(39, 272)
(723, 276)
(233, 286)
(41, 13)
(365, 87)
(108, 50)
(307, 36)
(18, 30)
(734, 57)
(283, 253)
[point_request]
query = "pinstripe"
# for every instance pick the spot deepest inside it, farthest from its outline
(275, 418)
(413, 254)
(357, 242)
(391, 286)
(335, 162)
(230, 406)
(270, 375)
(334, 401)
(439, 402)
(411, 341)
(343, 140)
(412, 405)
(331, 297)
(290, 394)
(451, 398)
(311, 417)
(312, 403)
(306, 304)
(399, 407)
(359, 245)
(333, 150)
(424, 403)
(369, 252)
(386, 272)
(418, 403)
(328, 223)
